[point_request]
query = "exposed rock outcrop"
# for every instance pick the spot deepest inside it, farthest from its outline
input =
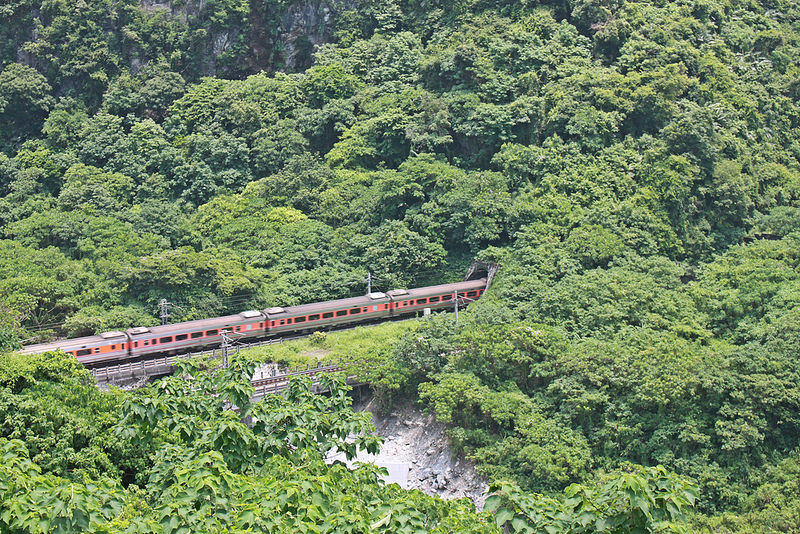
(417, 455)
(277, 40)
(305, 25)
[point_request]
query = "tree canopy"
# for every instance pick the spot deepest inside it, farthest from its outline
(632, 165)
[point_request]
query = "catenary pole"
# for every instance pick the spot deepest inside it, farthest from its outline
(164, 313)
(226, 344)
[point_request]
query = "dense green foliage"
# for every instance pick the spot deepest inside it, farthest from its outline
(406, 147)
(629, 364)
(192, 463)
(531, 402)
(633, 166)
(178, 457)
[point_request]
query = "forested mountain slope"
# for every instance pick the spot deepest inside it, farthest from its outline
(632, 165)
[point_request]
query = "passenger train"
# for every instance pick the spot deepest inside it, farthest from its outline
(193, 335)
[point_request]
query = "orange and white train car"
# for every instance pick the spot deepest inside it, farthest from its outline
(275, 321)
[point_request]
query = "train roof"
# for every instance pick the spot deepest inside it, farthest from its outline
(76, 343)
(374, 298)
(352, 302)
(197, 325)
(444, 288)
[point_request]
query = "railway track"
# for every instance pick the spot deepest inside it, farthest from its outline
(263, 386)
(162, 365)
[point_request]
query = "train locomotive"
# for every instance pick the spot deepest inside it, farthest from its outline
(137, 342)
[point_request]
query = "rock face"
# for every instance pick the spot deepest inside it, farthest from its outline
(213, 40)
(306, 25)
(418, 456)
(277, 40)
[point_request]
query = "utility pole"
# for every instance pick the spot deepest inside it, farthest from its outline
(369, 283)
(226, 344)
(164, 313)
(455, 305)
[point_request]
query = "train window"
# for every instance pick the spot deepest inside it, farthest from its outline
(472, 294)
(211, 332)
(113, 347)
(237, 328)
(422, 301)
(341, 313)
(327, 315)
(313, 317)
(135, 344)
(299, 319)
(181, 337)
(167, 339)
(433, 299)
(447, 297)
(283, 321)
(97, 350)
(195, 335)
(146, 342)
(355, 311)
(83, 352)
